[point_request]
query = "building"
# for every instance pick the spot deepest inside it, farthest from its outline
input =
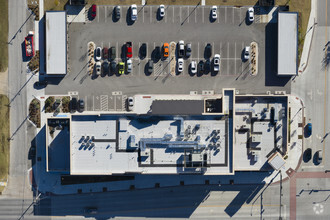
(56, 44)
(287, 51)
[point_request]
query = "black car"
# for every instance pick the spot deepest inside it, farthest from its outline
(207, 66)
(41, 83)
(117, 12)
(208, 51)
(112, 52)
(105, 67)
(188, 50)
(81, 105)
(143, 51)
(113, 66)
(201, 66)
(73, 105)
(150, 66)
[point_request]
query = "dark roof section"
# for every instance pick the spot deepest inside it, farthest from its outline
(177, 107)
(77, 2)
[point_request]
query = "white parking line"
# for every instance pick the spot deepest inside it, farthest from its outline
(102, 44)
(198, 50)
(98, 15)
(240, 15)
(213, 49)
(93, 104)
(233, 16)
(109, 45)
(242, 47)
(105, 14)
(228, 59)
(116, 49)
(203, 14)
(143, 14)
(166, 15)
(150, 13)
(188, 13)
(173, 16)
(195, 15)
(235, 57)
(225, 15)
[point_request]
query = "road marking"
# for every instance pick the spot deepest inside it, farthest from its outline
(116, 49)
(101, 44)
(213, 51)
(188, 13)
(198, 51)
(105, 14)
(203, 15)
(242, 49)
(233, 16)
(240, 15)
(93, 104)
(150, 14)
(225, 15)
(166, 15)
(143, 14)
(235, 57)
(180, 15)
(104, 102)
(228, 59)
(325, 82)
(98, 15)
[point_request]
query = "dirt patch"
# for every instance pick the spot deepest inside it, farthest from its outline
(4, 82)
(34, 112)
(4, 137)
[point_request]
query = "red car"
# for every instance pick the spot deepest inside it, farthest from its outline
(93, 11)
(129, 50)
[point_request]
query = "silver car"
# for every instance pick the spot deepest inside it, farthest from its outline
(98, 68)
(130, 102)
(251, 14)
(129, 66)
(216, 62)
(133, 12)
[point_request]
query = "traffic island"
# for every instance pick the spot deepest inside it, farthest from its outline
(91, 61)
(254, 59)
(172, 58)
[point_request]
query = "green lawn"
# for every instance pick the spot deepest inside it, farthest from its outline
(3, 35)
(4, 136)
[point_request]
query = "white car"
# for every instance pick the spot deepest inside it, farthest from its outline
(193, 67)
(181, 48)
(98, 68)
(98, 53)
(133, 12)
(180, 65)
(247, 53)
(216, 62)
(161, 11)
(214, 12)
(129, 66)
(130, 102)
(251, 14)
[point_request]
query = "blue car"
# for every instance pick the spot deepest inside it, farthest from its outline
(309, 129)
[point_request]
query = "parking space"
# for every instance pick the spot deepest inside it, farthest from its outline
(228, 35)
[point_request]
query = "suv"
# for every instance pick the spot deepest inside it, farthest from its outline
(247, 53)
(130, 102)
(112, 52)
(117, 12)
(181, 48)
(133, 12)
(81, 105)
(188, 50)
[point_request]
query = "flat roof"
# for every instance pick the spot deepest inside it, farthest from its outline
(56, 42)
(177, 107)
(287, 56)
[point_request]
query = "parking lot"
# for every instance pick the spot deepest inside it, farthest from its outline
(228, 35)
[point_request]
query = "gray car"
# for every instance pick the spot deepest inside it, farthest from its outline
(188, 50)
(150, 66)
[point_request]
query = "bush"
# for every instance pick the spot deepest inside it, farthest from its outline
(65, 103)
(49, 103)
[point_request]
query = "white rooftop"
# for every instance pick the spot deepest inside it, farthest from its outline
(287, 43)
(56, 42)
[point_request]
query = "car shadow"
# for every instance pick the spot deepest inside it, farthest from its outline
(113, 15)
(156, 54)
(123, 52)
(146, 72)
(212, 20)
(307, 156)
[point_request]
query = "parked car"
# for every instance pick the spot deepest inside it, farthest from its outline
(73, 105)
(308, 129)
(208, 51)
(105, 67)
(247, 53)
(143, 51)
(117, 12)
(81, 105)
(129, 65)
(121, 68)
(41, 83)
(181, 48)
(251, 14)
(129, 49)
(98, 53)
(188, 50)
(193, 67)
(98, 68)
(166, 50)
(207, 66)
(112, 52)
(180, 65)
(201, 67)
(133, 12)
(113, 67)
(150, 66)
(105, 53)
(318, 157)
(161, 11)
(216, 62)
(130, 102)
(214, 12)
(93, 11)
